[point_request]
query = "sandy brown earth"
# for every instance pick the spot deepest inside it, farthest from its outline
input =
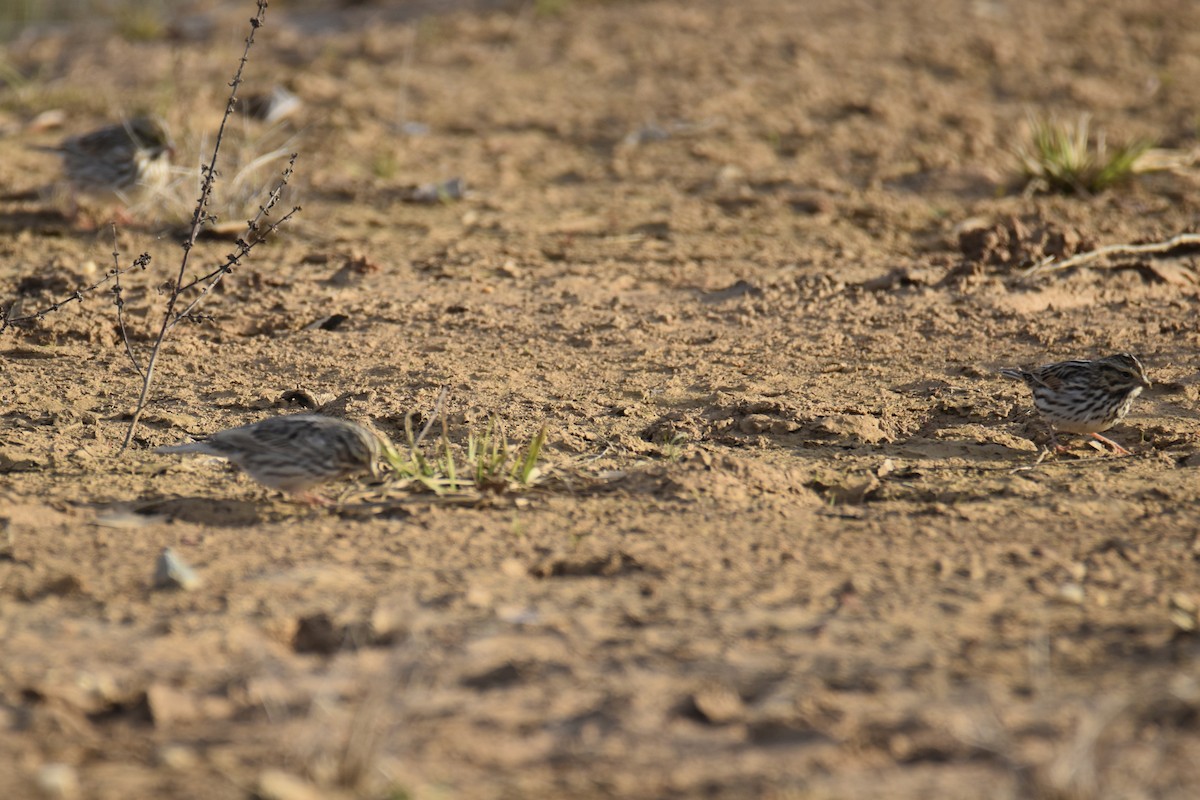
(755, 266)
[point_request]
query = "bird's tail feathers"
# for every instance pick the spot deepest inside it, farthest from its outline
(186, 447)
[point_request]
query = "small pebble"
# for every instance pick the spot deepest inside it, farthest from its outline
(1070, 594)
(274, 784)
(444, 192)
(59, 781)
(172, 572)
(178, 757)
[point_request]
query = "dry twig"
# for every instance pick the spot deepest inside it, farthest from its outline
(12, 319)
(119, 301)
(1050, 265)
(200, 217)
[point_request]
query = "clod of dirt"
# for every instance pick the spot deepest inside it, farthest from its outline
(317, 633)
(741, 288)
(13, 460)
(63, 585)
(493, 677)
(388, 622)
(855, 427)
(305, 399)
(177, 757)
(7, 540)
(606, 564)
(850, 491)
(169, 706)
(761, 423)
(356, 267)
(1014, 243)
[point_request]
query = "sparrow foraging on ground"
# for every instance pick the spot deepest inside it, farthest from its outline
(1085, 397)
(295, 452)
(118, 159)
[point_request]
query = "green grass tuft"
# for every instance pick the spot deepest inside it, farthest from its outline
(1064, 157)
(488, 462)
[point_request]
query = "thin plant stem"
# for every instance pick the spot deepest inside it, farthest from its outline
(199, 217)
(1049, 264)
(11, 319)
(119, 301)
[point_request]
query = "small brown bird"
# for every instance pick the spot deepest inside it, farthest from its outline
(118, 159)
(1085, 397)
(295, 452)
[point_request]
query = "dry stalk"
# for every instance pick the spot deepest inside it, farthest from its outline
(256, 233)
(12, 319)
(1050, 265)
(200, 217)
(119, 302)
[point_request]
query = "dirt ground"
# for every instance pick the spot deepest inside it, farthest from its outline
(755, 265)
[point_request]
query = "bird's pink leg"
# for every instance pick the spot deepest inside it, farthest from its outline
(1116, 447)
(312, 499)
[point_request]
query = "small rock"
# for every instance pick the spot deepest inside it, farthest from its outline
(59, 781)
(12, 460)
(718, 705)
(1070, 594)
(1184, 602)
(650, 133)
(275, 784)
(47, 120)
(517, 614)
(178, 757)
(513, 568)
(479, 597)
(172, 572)
(1183, 612)
(415, 129)
(781, 426)
(444, 192)
(855, 491)
(862, 427)
(169, 706)
(755, 423)
(1182, 620)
